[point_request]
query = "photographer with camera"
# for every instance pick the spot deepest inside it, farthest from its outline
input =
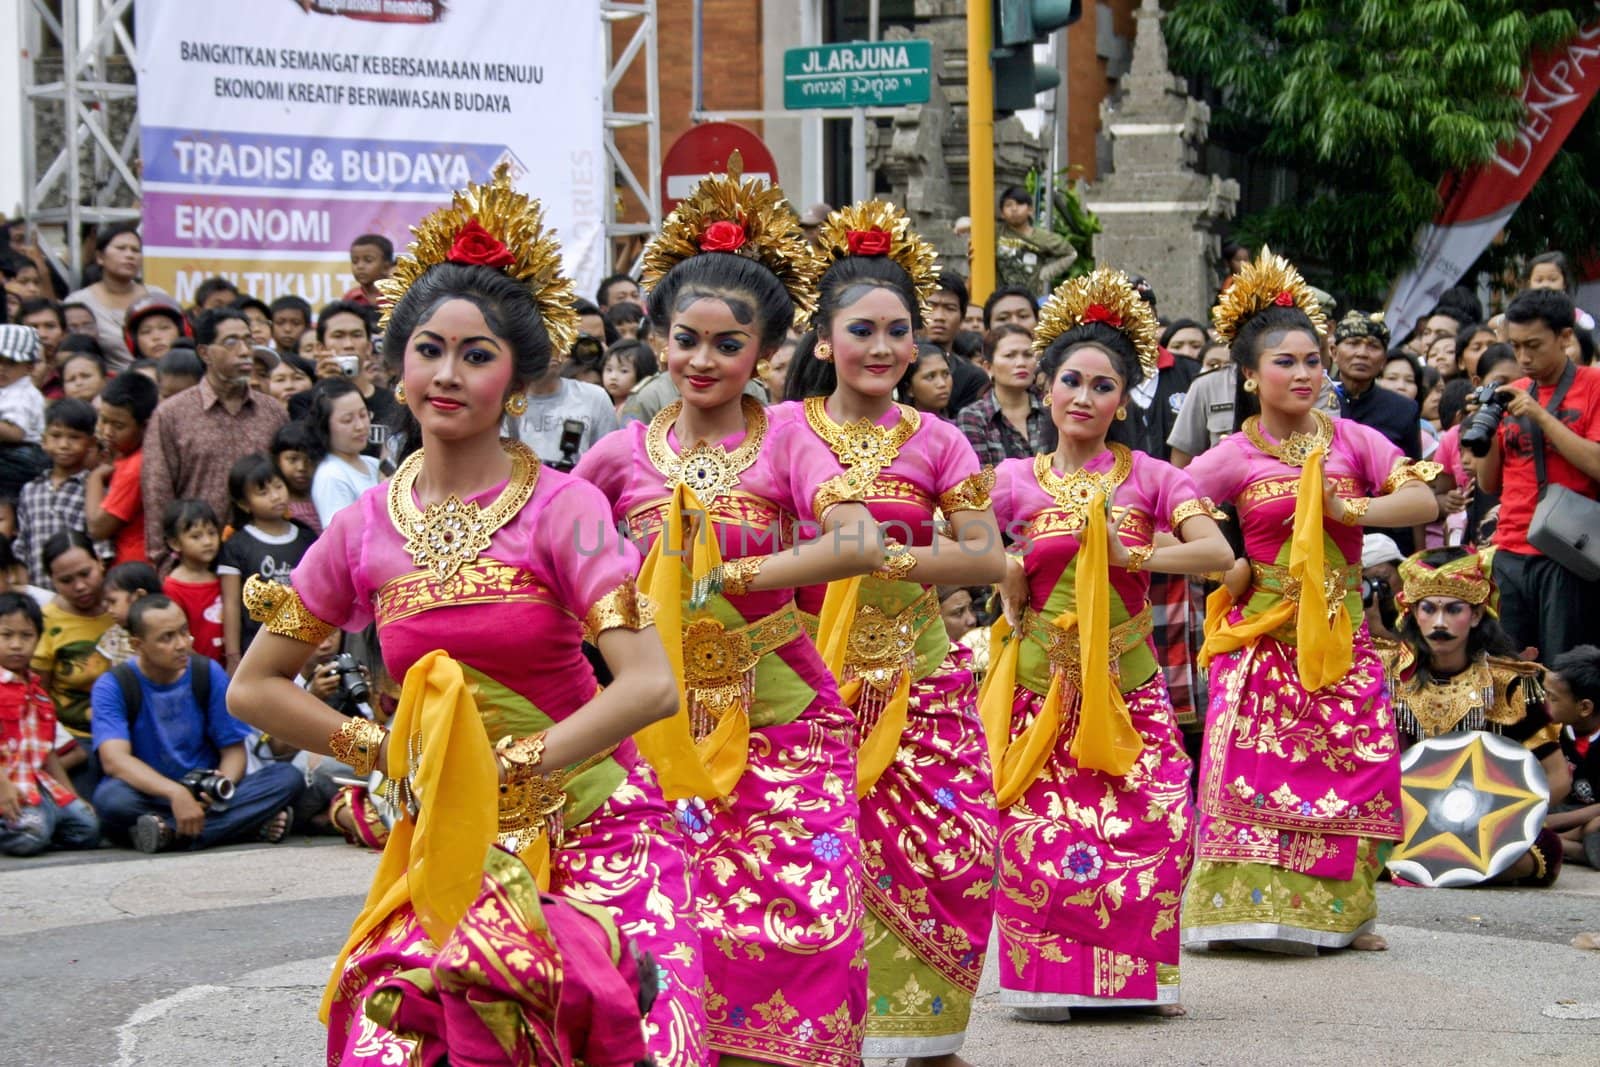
(1544, 461)
(564, 417)
(345, 352)
(172, 756)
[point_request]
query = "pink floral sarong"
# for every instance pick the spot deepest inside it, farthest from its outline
(1092, 868)
(927, 843)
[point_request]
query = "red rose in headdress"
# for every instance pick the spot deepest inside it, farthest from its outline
(867, 242)
(474, 244)
(723, 236)
(1101, 313)
(1284, 299)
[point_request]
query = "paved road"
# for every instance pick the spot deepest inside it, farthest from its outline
(219, 958)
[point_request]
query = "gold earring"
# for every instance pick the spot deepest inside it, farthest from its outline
(400, 392)
(1250, 386)
(517, 405)
(824, 351)
(763, 368)
(1122, 413)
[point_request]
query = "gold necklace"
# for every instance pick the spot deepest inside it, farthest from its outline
(708, 469)
(446, 536)
(862, 443)
(1294, 450)
(1074, 492)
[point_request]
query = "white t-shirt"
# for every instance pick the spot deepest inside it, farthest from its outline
(336, 485)
(22, 405)
(540, 426)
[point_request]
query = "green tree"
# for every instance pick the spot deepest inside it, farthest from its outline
(1371, 103)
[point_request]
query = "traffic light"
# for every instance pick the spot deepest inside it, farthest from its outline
(1018, 26)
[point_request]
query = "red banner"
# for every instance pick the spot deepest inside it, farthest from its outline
(1477, 204)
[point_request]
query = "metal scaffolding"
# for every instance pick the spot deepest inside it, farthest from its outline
(641, 43)
(82, 181)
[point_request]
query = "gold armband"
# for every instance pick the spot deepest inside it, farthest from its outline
(356, 744)
(1354, 509)
(279, 610)
(737, 574)
(521, 757)
(898, 562)
(969, 494)
(1138, 556)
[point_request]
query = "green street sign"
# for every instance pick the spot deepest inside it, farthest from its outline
(877, 74)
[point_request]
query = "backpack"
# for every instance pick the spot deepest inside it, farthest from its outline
(133, 694)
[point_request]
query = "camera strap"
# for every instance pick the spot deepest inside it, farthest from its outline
(1531, 428)
(133, 694)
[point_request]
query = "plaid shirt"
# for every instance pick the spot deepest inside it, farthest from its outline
(27, 737)
(44, 510)
(993, 438)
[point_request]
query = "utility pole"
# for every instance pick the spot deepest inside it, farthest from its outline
(980, 146)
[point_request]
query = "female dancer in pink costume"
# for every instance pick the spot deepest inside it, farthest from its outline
(1300, 775)
(513, 772)
(761, 760)
(1092, 778)
(927, 808)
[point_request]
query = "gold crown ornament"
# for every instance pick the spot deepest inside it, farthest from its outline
(1469, 578)
(1105, 296)
(879, 228)
(745, 217)
(494, 226)
(1270, 281)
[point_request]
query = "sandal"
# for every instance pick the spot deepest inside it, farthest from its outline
(152, 834)
(277, 828)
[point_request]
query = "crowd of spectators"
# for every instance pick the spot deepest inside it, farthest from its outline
(153, 457)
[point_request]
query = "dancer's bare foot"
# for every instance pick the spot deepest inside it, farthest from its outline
(1370, 943)
(1169, 1011)
(947, 1060)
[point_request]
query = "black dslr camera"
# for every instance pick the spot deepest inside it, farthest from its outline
(353, 686)
(1477, 433)
(571, 441)
(209, 785)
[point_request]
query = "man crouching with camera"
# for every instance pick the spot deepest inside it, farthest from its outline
(173, 758)
(1544, 461)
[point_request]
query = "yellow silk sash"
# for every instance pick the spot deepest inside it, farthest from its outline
(435, 861)
(711, 768)
(1105, 739)
(1324, 640)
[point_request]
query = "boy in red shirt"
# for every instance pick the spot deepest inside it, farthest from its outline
(194, 536)
(113, 502)
(38, 808)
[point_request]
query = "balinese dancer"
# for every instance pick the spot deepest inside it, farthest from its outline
(1299, 778)
(927, 809)
(1090, 771)
(1454, 670)
(760, 759)
(485, 573)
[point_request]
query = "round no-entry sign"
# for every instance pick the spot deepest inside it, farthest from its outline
(703, 150)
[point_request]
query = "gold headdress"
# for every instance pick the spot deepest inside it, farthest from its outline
(1469, 578)
(1105, 296)
(494, 226)
(878, 228)
(728, 213)
(1270, 281)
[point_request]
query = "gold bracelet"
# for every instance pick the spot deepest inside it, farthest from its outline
(898, 562)
(1354, 509)
(356, 745)
(521, 757)
(1138, 556)
(737, 574)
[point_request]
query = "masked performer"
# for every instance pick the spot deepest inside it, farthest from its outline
(1092, 779)
(483, 575)
(1299, 777)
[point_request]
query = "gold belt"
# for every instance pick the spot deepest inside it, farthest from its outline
(538, 806)
(882, 645)
(1061, 646)
(718, 662)
(1337, 582)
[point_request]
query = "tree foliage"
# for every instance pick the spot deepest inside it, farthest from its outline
(1371, 103)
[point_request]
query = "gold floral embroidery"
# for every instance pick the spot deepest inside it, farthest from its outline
(1296, 449)
(1200, 506)
(446, 536)
(279, 609)
(487, 581)
(708, 469)
(1405, 470)
(840, 489)
(623, 608)
(1277, 487)
(1074, 492)
(969, 494)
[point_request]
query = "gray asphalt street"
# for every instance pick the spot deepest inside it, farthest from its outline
(219, 958)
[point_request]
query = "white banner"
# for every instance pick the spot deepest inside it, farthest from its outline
(275, 131)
